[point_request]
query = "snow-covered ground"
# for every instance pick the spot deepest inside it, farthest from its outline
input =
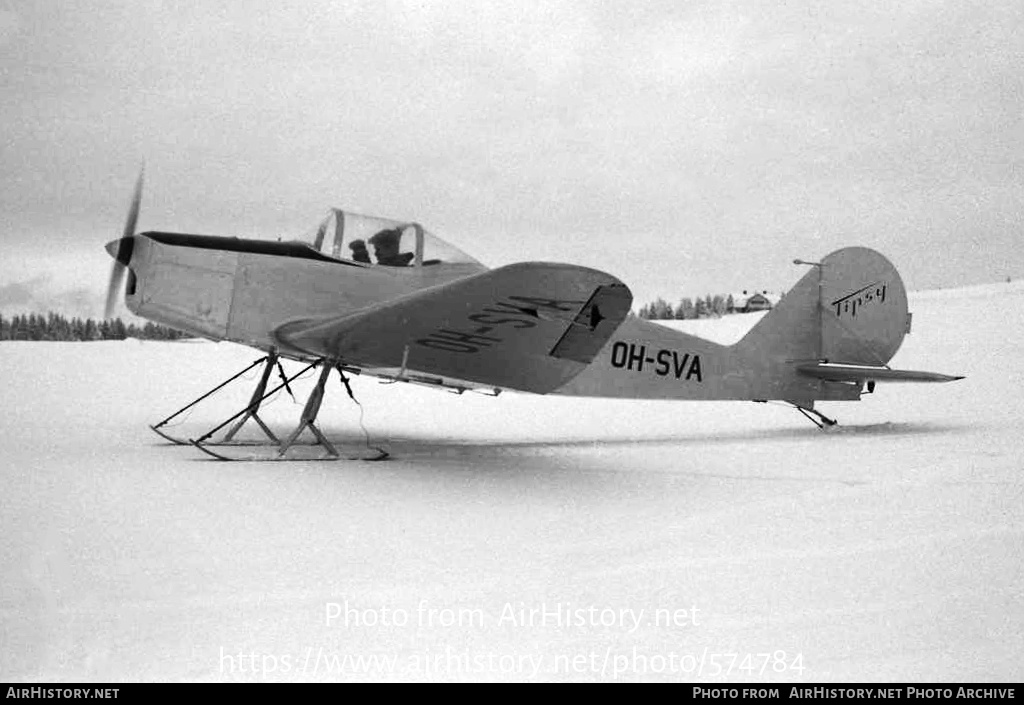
(519, 537)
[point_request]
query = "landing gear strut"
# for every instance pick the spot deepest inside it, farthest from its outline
(308, 420)
(274, 448)
(269, 362)
(250, 412)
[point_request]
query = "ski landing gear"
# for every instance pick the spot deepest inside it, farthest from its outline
(815, 417)
(250, 412)
(272, 448)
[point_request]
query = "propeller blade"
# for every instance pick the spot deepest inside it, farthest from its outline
(113, 289)
(133, 209)
(123, 254)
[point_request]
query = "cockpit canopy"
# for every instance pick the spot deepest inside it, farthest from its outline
(380, 241)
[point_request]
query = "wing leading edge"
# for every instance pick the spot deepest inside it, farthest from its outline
(531, 326)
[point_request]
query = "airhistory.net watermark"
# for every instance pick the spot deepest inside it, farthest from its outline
(36, 693)
(607, 663)
(558, 615)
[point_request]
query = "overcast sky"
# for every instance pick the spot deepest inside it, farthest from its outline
(687, 147)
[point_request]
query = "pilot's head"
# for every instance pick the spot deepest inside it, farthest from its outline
(359, 252)
(385, 244)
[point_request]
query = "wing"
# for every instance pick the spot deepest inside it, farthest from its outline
(530, 326)
(861, 373)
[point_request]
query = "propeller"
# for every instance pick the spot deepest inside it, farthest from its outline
(121, 250)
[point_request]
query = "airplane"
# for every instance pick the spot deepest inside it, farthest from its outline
(419, 310)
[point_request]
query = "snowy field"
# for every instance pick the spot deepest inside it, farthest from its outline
(650, 540)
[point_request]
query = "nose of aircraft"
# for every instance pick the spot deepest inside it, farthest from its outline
(121, 249)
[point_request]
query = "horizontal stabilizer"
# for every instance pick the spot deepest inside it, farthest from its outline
(864, 373)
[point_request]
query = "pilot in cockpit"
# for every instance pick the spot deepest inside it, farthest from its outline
(359, 251)
(385, 248)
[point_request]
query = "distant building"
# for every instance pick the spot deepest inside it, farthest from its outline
(750, 301)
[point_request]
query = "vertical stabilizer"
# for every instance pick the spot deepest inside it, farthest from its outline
(849, 308)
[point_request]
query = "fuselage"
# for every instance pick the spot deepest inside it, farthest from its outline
(249, 291)
(242, 290)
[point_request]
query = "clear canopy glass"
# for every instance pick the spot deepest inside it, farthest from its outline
(372, 240)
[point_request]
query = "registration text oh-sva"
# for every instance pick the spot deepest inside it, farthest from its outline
(664, 363)
(493, 324)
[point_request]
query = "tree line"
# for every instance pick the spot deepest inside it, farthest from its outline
(57, 327)
(707, 307)
(54, 326)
